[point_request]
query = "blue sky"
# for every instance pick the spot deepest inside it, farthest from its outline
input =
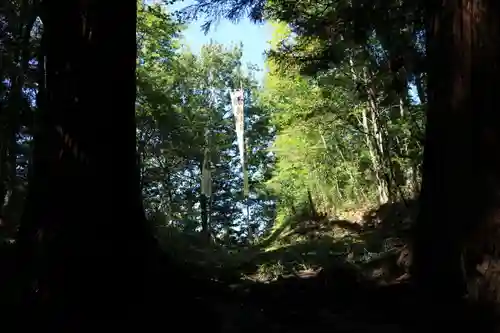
(254, 37)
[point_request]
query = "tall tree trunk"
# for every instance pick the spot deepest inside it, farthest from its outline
(420, 88)
(381, 185)
(84, 206)
(205, 230)
(371, 138)
(461, 163)
(4, 166)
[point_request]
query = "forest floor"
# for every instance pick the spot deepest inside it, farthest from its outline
(324, 276)
(318, 286)
(333, 302)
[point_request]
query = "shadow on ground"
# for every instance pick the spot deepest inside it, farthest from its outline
(331, 276)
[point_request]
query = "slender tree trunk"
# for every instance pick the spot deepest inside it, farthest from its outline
(204, 217)
(461, 163)
(204, 205)
(3, 168)
(381, 186)
(168, 186)
(420, 88)
(371, 143)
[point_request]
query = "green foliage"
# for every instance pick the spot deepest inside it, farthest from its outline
(183, 108)
(314, 142)
(327, 132)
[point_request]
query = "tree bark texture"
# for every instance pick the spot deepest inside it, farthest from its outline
(461, 172)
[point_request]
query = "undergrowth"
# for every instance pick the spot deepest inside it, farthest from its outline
(304, 244)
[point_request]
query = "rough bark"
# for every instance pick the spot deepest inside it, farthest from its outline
(461, 164)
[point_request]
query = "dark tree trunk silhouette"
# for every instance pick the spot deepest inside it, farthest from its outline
(84, 224)
(205, 211)
(461, 165)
